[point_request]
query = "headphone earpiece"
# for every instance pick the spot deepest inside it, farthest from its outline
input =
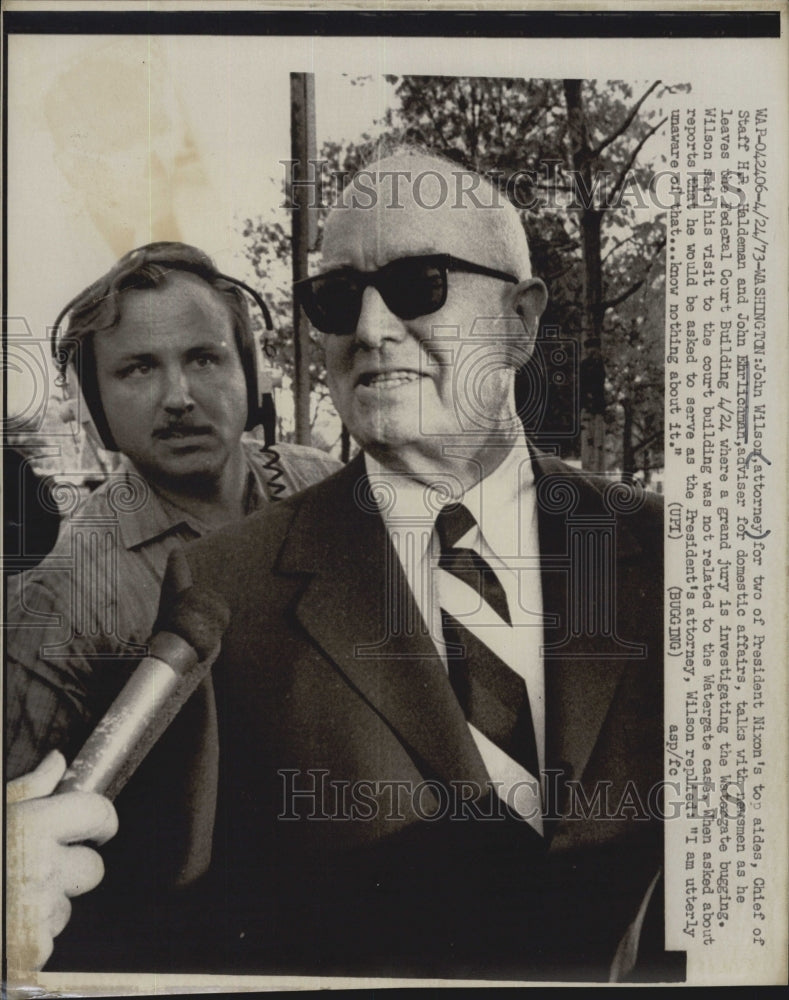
(74, 407)
(74, 410)
(250, 355)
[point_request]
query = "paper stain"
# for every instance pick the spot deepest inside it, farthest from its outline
(123, 142)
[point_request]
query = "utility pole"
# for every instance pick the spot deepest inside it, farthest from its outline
(302, 146)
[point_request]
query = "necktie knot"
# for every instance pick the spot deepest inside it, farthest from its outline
(452, 523)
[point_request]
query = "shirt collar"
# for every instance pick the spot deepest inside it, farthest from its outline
(496, 502)
(148, 516)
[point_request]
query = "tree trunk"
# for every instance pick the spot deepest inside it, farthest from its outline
(590, 219)
(647, 466)
(628, 453)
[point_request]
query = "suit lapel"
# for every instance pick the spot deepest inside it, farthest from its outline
(358, 608)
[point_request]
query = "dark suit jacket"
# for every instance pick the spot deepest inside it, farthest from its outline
(329, 685)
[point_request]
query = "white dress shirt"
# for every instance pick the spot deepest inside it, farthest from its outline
(505, 510)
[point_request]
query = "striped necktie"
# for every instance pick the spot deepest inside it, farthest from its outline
(492, 695)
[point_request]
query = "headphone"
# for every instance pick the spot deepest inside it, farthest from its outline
(142, 269)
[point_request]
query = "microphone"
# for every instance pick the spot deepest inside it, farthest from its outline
(184, 646)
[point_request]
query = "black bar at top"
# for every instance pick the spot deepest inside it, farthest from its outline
(447, 24)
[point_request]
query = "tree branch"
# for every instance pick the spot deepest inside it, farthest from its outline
(567, 188)
(560, 274)
(644, 386)
(617, 245)
(537, 110)
(632, 158)
(610, 303)
(648, 441)
(625, 124)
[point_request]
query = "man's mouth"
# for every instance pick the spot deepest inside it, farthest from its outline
(175, 432)
(388, 379)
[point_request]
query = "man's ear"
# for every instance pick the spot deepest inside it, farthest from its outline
(530, 297)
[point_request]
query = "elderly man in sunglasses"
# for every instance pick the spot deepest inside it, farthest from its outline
(438, 701)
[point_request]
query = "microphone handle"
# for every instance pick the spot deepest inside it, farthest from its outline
(147, 704)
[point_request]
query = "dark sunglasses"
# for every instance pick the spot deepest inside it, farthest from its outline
(410, 287)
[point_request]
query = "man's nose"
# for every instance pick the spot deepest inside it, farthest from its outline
(377, 322)
(177, 396)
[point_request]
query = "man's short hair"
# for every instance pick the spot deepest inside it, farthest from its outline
(505, 234)
(98, 309)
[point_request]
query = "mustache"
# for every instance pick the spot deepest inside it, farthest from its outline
(181, 428)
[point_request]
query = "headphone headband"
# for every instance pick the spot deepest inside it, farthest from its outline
(177, 264)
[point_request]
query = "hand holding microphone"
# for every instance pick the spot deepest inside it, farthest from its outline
(183, 648)
(47, 861)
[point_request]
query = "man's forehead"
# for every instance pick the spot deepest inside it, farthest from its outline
(383, 232)
(184, 305)
(413, 203)
(343, 245)
(179, 290)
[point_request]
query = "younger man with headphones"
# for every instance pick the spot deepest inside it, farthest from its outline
(158, 362)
